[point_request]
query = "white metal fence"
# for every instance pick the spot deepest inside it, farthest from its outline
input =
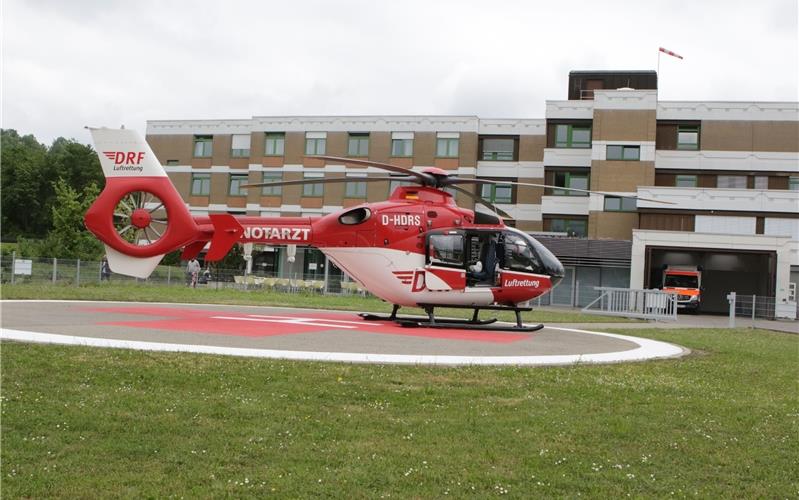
(634, 303)
(759, 308)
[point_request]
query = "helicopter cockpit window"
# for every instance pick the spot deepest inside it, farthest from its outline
(355, 216)
(446, 249)
(519, 256)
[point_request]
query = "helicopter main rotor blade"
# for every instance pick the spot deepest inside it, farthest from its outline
(422, 178)
(456, 180)
(329, 180)
(484, 202)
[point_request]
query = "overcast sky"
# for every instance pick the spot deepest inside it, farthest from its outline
(66, 64)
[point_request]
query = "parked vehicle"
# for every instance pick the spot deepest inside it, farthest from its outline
(686, 282)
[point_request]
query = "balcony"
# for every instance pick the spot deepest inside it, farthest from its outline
(567, 157)
(582, 110)
(738, 200)
(565, 205)
(727, 160)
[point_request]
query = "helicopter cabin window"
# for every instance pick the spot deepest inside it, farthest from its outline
(203, 146)
(275, 144)
(272, 190)
(240, 145)
(518, 255)
(315, 143)
(358, 145)
(401, 144)
(316, 189)
(447, 144)
(446, 249)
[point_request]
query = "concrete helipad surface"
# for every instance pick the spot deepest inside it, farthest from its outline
(307, 334)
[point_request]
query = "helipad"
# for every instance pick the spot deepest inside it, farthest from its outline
(305, 334)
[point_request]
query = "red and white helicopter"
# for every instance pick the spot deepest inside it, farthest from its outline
(416, 249)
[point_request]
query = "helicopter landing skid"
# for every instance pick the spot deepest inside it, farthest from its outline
(462, 324)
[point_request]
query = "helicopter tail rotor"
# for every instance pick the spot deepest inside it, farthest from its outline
(139, 216)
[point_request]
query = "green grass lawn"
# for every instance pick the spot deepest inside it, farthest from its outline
(162, 293)
(87, 422)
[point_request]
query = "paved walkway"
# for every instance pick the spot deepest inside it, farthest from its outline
(690, 321)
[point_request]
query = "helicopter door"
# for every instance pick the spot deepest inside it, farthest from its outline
(445, 269)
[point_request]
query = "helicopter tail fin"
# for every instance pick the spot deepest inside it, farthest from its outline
(139, 216)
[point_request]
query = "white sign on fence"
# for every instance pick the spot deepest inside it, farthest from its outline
(23, 266)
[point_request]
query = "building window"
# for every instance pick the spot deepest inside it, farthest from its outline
(570, 180)
(402, 147)
(240, 146)
(447, 147)
(572, 136)
(275, 144)
(170, 163)
(793, 183)
(272, 190)
(626, 153)
(236, 181)
(355, 189)
(200, 184)
(203, 146)
(358, 145)
(731, 181)
(761, 182)
(497, 149)
(619, 204)
(688, 137)
(393, 185)
(497, 193)
(314, 144)
(686, 181)
(316, 189)
(572, 227)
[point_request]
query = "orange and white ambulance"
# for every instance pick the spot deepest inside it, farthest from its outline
(686, 282)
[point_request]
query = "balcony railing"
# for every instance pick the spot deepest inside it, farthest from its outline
(741, 200)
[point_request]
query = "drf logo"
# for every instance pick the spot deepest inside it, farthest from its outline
(126, 157)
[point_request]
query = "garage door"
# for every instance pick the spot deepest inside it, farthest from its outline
(747, 273)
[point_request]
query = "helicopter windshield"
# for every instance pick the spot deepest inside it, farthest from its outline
(519, 256)
(524, 253)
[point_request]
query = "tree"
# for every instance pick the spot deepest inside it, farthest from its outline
(21, 161)
(69, 238)
(29, 173)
